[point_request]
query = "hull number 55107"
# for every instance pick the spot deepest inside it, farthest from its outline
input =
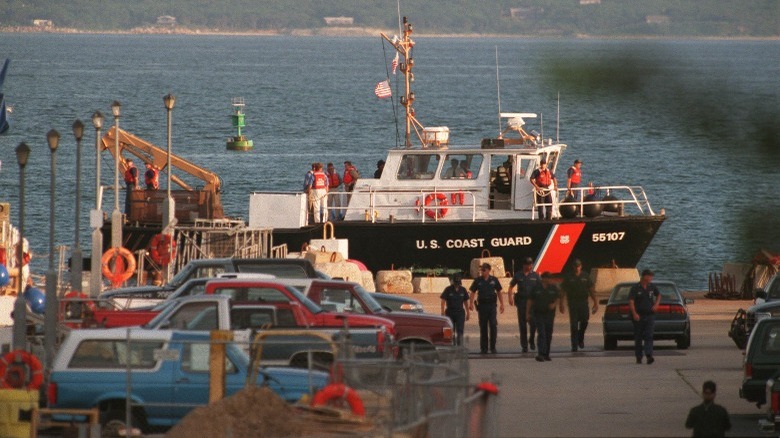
(609, 237)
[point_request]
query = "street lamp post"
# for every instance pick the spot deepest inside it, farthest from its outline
(96, 217)
(50, 316)
(20, 306)
(116, 215)
(169, 209)
(77, 259)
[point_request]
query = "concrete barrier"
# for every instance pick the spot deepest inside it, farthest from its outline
(368, 281)
(394, 282)
(604, 279)
(433, 285)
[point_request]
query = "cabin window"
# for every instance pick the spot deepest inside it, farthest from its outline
(552, 160)
(461, 166)
(418, 166)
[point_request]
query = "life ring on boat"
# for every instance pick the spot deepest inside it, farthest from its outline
(124, 265)
(440, 210)
(458, 198)
(338, 392)
(162, 249)
(13, 369)
(73, 304)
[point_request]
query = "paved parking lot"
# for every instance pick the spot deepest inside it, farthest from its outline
(600, 393)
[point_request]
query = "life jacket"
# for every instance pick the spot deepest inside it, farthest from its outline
(576, 175)
(544, 178)
(131, 175)
(152, 179)
(320, 181)
(334, 180)
(348, 179)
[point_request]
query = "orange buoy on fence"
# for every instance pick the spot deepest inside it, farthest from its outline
(162, 249)
(118, 264)
(337, 392)
(439, 210)
(20, 370)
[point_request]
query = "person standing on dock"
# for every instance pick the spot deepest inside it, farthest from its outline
(541, 305)
(455, 305)
(578, 287)
(152, 177)
(319, 194)
(334, 197)
(526, 280)
(541, 178)
(573, 179)
(708, 419)
(643, 300)
(131, 182)
(486, 289)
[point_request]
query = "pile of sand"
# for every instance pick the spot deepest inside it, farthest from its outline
(251, 412)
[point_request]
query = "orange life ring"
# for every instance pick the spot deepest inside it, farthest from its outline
(439, 210)
(337, 392)
(15, 360)
(123, 262)
(162, 249)
(458, 198)
(71, 305)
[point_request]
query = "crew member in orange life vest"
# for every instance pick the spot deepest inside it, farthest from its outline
(334, 199)
(573, 178)
(319, 193)
(350, 176)
(151, 177)
(131, 181)
(541, 178)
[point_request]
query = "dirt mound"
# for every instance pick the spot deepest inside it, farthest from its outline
(251, 412)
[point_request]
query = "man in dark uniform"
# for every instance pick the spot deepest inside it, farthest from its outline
(541, 305)
(456, 298)
(578, 287)
(708, 419)
(487, 289)
(525, 280)
(643, 300)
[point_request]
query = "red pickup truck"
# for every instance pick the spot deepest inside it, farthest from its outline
(420, 329)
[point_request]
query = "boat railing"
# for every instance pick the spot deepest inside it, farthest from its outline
(439, 202)
(595, 201)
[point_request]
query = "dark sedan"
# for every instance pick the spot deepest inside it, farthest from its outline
(671, 320)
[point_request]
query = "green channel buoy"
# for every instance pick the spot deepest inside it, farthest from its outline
(239, 142)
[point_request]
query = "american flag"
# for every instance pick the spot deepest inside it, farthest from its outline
(382, 90)
(394, 65)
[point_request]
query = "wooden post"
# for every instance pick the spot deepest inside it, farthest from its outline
(219, 338)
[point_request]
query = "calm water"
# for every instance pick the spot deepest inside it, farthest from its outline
(678, 118)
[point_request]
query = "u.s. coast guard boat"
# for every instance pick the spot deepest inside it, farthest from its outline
(440, 205)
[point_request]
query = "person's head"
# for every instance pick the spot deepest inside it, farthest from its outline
(347, 164)
(129, 162)
(457, 279)
(543, 163)
(528, 264)
(546, 277)
(577, 265)
(577, 164)
(380, 164)
(454, 162)
(149, 165)
(484, 270)
(708, 390)
(317, 166)
(313, 166)
(647, 276)
(330, 167)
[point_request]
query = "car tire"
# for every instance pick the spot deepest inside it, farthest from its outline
(684, 341)
(610, 343)
(114, 421)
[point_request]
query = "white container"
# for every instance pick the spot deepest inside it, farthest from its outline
(277, 210)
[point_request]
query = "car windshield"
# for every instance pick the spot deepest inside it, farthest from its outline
(309, 304)
(366, 297)
(167, 308)
(668, 292)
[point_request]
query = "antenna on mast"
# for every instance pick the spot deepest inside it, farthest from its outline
(498, 91)
(558, 119)
(398, 3)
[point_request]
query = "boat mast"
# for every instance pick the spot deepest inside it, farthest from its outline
(404, 48)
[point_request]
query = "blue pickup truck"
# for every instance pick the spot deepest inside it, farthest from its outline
(169, 375)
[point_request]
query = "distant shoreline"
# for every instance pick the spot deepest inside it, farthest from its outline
(354, 31)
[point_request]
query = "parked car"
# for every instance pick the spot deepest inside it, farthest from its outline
(397, 303)
(672, 320)
(771, 289)
(169, 375)
(762, 360)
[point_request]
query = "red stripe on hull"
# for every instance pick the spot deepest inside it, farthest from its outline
(558, 248)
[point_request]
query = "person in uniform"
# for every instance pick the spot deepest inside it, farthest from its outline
(455, 305)
(380, 166)
(708, 419)
(319, 194)
(643, 300)
(541, 178)
(577, 287)
(334, 199)
(541, 306)
(486, 289)
(574, 178)
(525, 280)
(151, 177)
(131, 182)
